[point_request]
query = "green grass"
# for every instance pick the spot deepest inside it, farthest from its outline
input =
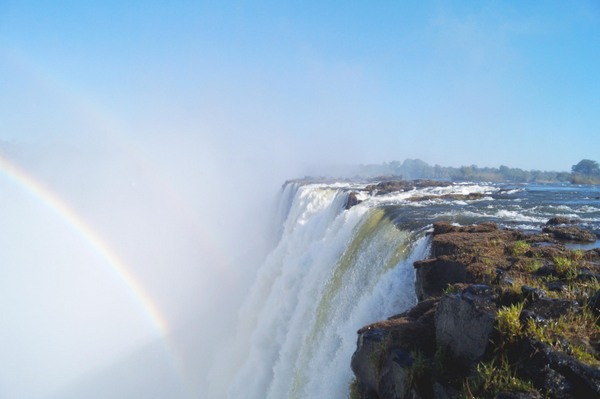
(452, 289)
(576, 328)
(532, 265)
(519, 248)
(508, 323)
(492, 378)
(566, 267)
(419, 367)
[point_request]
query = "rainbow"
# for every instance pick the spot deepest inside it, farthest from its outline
(116, 134)
(113, 131)
(27, 182)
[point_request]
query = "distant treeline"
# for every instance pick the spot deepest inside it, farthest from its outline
(585, 172)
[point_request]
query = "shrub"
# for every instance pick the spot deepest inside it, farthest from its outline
(565, 267)
(508, 322)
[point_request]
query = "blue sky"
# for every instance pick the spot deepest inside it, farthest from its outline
(453, 83)
(169, 126)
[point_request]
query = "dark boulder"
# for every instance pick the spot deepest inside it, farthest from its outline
(352, 200)
(558, 286)
(546, 270)
(561, 220)
(571, 233)
(434, 275)
(464, 324)
(549, 308)
(532, 293)
(557, 374)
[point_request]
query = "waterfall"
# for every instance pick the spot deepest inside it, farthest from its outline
(331, 272)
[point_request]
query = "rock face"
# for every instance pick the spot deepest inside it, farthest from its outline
(397, 374)
(370, 350)
(464, 324)
(434, 275)
(384, 361)
(500, 315)
(352, 200)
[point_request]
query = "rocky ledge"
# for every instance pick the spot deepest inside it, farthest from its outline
(501, 314)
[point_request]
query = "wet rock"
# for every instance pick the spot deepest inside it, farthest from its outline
(571, 233)
(464, 324)
(352, 200)
(561, 220)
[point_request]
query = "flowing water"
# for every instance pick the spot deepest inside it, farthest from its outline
(334, 270)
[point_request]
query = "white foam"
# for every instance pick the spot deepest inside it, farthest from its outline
(285, 349)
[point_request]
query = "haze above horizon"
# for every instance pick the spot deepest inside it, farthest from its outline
(453, 83)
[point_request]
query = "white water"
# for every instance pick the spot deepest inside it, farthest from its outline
(331, 272)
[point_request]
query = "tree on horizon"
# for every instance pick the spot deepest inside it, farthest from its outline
(586, 167)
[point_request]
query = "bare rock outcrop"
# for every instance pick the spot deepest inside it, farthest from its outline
(464, 324)
(501, 315)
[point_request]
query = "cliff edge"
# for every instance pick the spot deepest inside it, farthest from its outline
(501, 314)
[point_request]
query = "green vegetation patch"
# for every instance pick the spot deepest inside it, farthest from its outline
(508, 322)
(569, 334)
(519, 248)
(492, 378)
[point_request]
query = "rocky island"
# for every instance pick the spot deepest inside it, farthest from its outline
(501, 314)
